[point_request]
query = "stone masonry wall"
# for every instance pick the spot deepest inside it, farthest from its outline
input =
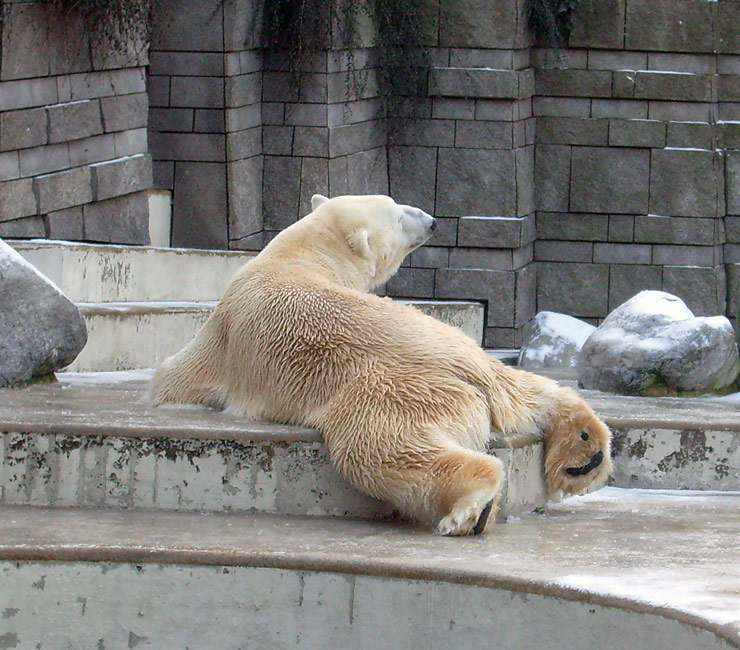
(243, 142)
(562, 179)
(465, 153)
(623, 146)
(636, 123)
(74, 161)
(205, 86)
(323, 131)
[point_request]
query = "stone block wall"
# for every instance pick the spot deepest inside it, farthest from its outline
(465, 153)
(243, 141)
(205, 85)
(74, 160)
(635, 127)
(621, 148)
(323, 131)
(562, 179)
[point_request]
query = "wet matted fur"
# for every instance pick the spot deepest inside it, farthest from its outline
(404, 402)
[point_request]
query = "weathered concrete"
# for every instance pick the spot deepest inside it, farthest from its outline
(123, 336)
(100, 273)
(617, 560)
(467, 316)
(142, 304)
(78, 443)
(669, 442)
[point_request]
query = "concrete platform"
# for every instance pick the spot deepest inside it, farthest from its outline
(133, 335)
(621, 569)
(112, 273)
(670, 442)
(94, 440)
(142, 303)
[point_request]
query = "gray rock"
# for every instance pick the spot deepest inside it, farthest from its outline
(553, 340)
(653, 345)
(40, 329)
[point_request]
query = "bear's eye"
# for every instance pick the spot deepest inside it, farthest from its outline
(584, 436)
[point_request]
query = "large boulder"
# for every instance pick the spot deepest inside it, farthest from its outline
(553, 340)
(654, 345)
(40, 329)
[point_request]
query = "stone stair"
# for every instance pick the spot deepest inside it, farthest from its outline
(624, 569)
(94, 441)
(124, 525)
(142, 304)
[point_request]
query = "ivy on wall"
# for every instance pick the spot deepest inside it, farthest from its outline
(111, 25)
(395, 29)
(551, 21)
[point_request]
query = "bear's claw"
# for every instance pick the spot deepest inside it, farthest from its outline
(480, 525)
(469, 517)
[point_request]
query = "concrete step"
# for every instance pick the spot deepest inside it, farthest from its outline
(669, 442)
(128, 335)
(142, 304)
(92, 440)
(618, 560)
(91, 273)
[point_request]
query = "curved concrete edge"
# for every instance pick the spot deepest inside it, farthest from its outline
(154, 605)
(89, 309)
(261, 432)
(363, 566)
(667, 553)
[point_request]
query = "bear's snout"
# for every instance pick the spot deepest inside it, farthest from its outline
(433, 225)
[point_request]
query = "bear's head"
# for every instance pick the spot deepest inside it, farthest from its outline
(378, 232)
(577, 448)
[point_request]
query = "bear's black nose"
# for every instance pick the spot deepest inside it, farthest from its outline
(434, 225)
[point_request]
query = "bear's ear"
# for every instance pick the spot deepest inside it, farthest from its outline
(317, 200)
(360, 243)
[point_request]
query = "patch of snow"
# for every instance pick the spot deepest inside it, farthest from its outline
(659, 302)
(660, 588)
(566, 326)
(732, 397)
(622, 495)
(153, 304)
(105, 378)
(686, 149)
(12, 255)
(676, 72)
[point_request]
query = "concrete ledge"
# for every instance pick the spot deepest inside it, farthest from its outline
(106, 273)
(79, 444)
(617, 559)
(669, 442)
(127, 335)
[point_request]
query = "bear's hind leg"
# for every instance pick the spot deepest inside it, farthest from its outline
(189, 377)
(467, 488)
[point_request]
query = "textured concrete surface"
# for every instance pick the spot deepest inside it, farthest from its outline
(669, 442)
(631, 569)
(128, 335)
(100, 273)
(82, 442)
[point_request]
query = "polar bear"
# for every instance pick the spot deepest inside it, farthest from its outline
(404, 402)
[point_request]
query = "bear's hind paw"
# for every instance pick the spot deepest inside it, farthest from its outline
(471, 515)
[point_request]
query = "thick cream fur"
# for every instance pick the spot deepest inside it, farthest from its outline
(404, 402)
